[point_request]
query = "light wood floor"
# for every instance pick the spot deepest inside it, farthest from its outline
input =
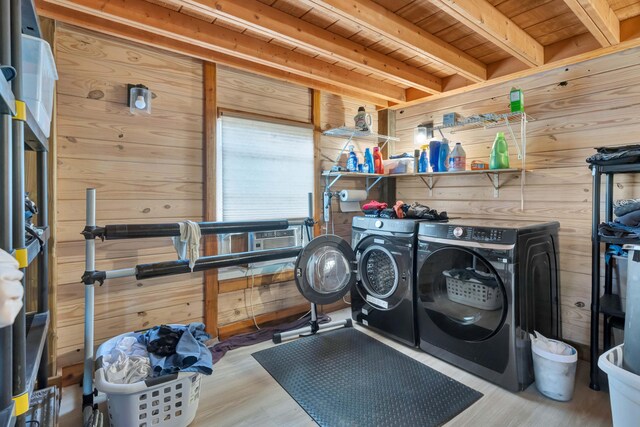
(241, 393)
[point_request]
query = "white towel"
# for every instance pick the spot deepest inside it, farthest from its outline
(188, 244)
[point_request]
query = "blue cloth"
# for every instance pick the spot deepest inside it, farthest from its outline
(191, 354)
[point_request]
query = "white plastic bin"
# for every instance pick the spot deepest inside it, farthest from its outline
(624, 389)
(167, 401)
(398, 166)
(39, 76)
(555, 373)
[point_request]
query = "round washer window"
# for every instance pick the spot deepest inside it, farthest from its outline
(379, 272)
(327, 270)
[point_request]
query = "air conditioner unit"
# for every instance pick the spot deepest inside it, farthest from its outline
(265, 240)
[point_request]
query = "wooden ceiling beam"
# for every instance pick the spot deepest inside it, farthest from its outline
(159, 20)
(389, 25)
(486, 20)
(276, 23)
(599, 18)
(80, 19)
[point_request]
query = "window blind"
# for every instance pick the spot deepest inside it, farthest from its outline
(264, 169)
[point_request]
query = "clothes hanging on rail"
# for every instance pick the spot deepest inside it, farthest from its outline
(188, 243)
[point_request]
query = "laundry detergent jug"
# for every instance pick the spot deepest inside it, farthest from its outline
(499, 157)
(457, 159)
(434, 155)
(352, 160)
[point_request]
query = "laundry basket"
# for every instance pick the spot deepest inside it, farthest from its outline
(472, 292)
(167, 401)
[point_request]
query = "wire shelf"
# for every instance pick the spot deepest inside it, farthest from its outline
(347, 132)
(486, 121)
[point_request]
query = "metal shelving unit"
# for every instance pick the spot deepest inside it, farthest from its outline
(23, 346)
(608, 305)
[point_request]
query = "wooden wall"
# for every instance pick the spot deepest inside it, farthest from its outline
(145, 169)
(576, 108)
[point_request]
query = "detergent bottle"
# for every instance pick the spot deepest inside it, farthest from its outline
(457, 159)
(423, 163)
(377, 161)
(499, 157)
(368, 160)
(352, 160)
(443, 160)
(434, 155)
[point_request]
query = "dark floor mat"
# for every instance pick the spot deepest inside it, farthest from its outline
(346, 378)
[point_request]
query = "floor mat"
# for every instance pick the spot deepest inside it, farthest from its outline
(347, 378)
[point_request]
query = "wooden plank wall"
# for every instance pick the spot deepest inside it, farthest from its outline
(145, 169)
(590, 104)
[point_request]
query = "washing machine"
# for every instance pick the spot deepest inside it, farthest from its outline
(482, 286)
(383, 295)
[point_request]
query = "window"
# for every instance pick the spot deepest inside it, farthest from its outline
(264, 169)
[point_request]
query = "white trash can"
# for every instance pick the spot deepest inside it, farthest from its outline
(555, 373)
(624, 388)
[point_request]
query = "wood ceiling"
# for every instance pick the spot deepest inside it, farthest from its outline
(389, 52)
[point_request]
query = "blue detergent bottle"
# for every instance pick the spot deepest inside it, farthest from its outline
(368, 160)
(443, 159)
(423, 163)
(434, 155)
(352, 160)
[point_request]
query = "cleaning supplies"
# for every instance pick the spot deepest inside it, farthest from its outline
(362, 120)
(352, 160)
(377, 161)
(457, 159)
(368, 162)
(434, 155)
(423, 163)
(499, 157)
(516, 100)
(443, 156)
(416, 161)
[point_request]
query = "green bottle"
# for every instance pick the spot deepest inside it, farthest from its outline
(499, 157)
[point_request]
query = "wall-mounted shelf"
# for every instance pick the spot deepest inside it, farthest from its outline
(427, 177)
(485, 121)
(347, 132)
(7, 100)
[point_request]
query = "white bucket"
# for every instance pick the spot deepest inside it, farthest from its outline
(555, 373)
(624, 389)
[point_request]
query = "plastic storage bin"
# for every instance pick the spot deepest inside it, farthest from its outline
(39, 74)
(555, 373)
(167, 401)
(472, 293)
(396, 166)
(624, 389)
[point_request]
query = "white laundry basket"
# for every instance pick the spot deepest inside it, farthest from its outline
(555, 373)
(167, 401)
(624, 389)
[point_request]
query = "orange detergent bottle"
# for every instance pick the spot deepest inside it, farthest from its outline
(377, 161)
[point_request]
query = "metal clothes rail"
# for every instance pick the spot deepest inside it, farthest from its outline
(91, 276)
(23, 346)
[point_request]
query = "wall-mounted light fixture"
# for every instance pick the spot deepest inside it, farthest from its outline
(139, 100)
(422, 133)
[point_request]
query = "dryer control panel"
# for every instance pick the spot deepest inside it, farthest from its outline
(469, 233)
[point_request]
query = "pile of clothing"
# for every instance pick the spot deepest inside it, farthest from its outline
(401, 210)
(162, 350)
(627, 222)
(615, 155)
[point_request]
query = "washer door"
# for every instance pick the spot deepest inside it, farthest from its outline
(462, 293)
(381, 281)
(325, 269)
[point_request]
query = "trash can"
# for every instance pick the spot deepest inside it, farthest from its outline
(555, 374)
(624, 388)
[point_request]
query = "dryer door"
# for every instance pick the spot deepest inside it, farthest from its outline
(325, 269)
(462, 293)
